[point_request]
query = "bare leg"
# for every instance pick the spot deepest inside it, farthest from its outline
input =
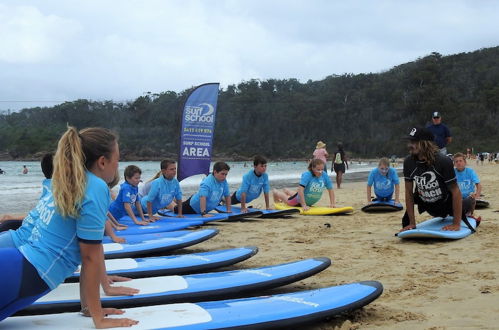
(279, 196)
(339, 178)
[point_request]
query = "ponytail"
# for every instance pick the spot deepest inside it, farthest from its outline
(76, 153)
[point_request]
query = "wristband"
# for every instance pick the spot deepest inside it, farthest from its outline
(203, 212)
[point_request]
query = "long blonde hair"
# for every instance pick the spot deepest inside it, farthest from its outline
(76, 153)
(154, 177)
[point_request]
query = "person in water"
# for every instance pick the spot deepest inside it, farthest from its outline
(254, 183)
(211, 191)
(430, 182)
(385, 181)
(312, 184)
(68, 229)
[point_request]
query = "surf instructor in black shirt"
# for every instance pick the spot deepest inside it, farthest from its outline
(430, 182)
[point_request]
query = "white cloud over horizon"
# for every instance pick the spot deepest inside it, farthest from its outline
(117, 50)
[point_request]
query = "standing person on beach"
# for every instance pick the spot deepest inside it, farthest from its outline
(385, 181)
(69, 230)
(441, 132)
(339, 163)
(430, 182)
(254, 183)
(312, 184)
(320, 152)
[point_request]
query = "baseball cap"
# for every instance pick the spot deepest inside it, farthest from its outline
(420, 134)
(436, 114)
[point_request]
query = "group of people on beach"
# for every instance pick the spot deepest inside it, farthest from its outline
(66, 227)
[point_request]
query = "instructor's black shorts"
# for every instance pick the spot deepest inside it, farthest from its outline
(440, 209)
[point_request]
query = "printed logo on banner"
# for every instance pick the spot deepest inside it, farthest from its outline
(203, 113)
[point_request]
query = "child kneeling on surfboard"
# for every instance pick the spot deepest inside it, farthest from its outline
(430, 182)
(312, 184)
(385, 180)
(128, 198)
(211, 191)
(254, 183)
(467, 180)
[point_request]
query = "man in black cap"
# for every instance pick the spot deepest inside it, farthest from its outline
(430, 182)
(440, 131)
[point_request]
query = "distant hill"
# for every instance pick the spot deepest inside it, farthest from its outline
(284, 119)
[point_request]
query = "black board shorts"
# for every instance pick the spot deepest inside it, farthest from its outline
(234, 200)
(339, 167)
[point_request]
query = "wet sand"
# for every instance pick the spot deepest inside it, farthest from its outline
(428, 284)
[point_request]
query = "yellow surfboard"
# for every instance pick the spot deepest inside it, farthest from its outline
(316, 210)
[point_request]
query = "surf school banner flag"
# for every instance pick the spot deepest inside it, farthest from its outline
(196, 135)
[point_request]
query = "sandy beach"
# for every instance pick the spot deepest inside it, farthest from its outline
(427, 284)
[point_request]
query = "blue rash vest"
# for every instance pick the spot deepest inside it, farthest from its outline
(53, 246)
(253, 186)
(127, 194)
(466, 179)
(314, 186)
(383, 184)
(162, 193)
(213, 190)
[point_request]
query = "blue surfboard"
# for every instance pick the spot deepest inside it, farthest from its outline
(379, 206)
(137, 245)
(157, 227)
(196, 287)
(287, 310)
(174, 265)
(196, 217)
(433, 229)
(260, 213)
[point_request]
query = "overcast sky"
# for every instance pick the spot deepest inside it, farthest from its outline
(60, 50)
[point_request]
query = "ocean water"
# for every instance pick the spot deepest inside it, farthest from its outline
(20, 192)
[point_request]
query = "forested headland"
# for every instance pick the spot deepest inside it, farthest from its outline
(283, 119)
